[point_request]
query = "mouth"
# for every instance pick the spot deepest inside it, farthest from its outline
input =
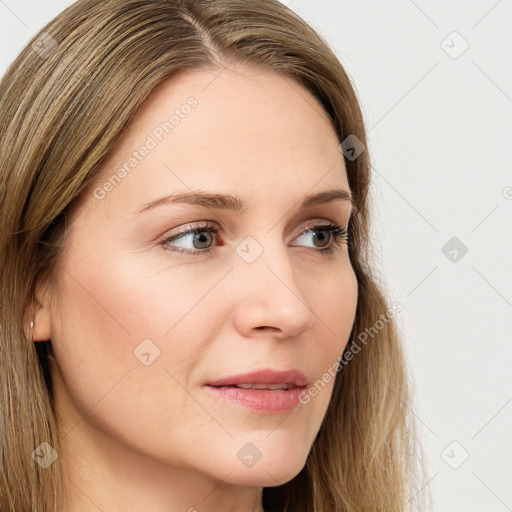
(260, 397)
(265, 378)
(260, 386)
(265, 391)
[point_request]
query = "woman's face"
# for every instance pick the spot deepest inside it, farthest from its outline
(143, 314)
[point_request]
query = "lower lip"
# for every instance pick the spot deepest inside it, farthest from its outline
(268, 401)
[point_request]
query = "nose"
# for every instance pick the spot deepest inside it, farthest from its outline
(270, 300)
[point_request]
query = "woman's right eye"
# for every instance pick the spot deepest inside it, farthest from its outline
(195, 237)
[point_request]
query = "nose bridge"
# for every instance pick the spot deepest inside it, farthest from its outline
(267, 291)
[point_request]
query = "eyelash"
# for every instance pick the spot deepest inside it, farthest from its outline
(340, 237)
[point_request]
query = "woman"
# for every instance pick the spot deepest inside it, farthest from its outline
(185, 270)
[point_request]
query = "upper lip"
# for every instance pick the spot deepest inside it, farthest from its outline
(264, 376)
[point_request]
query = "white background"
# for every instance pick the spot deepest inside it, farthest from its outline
(439, 133)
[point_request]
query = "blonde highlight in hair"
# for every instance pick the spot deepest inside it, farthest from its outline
(61, 115)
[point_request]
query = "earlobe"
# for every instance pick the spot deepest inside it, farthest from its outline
(42, 329)
(39, 317)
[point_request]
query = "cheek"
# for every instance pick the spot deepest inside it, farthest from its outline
(114, 368)
(335, 308)
(117, 302)
(127, 340)
(334, 302)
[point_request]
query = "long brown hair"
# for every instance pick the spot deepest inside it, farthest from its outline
(62, 109)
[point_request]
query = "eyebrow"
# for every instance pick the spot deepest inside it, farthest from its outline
(230, 202)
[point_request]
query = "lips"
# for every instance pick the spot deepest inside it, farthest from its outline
(265, 391)
(255, 385)
(264, 379)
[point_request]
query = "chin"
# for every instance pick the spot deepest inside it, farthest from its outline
(274, 467)
(264, 476)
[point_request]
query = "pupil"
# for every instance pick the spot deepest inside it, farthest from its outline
(323, 235)
(200, 238)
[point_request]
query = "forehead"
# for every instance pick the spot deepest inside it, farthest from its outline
(235, 130)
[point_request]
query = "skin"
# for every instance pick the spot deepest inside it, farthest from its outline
(137, 437)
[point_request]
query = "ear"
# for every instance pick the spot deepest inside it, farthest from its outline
(40, 312)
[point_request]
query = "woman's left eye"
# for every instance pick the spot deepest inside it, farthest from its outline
(330, 235)
(328, 232)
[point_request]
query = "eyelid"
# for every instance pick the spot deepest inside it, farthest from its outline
(203, 224)
(315, 223)
(207, 224)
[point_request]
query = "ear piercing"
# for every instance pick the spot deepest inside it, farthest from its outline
(31, 324)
